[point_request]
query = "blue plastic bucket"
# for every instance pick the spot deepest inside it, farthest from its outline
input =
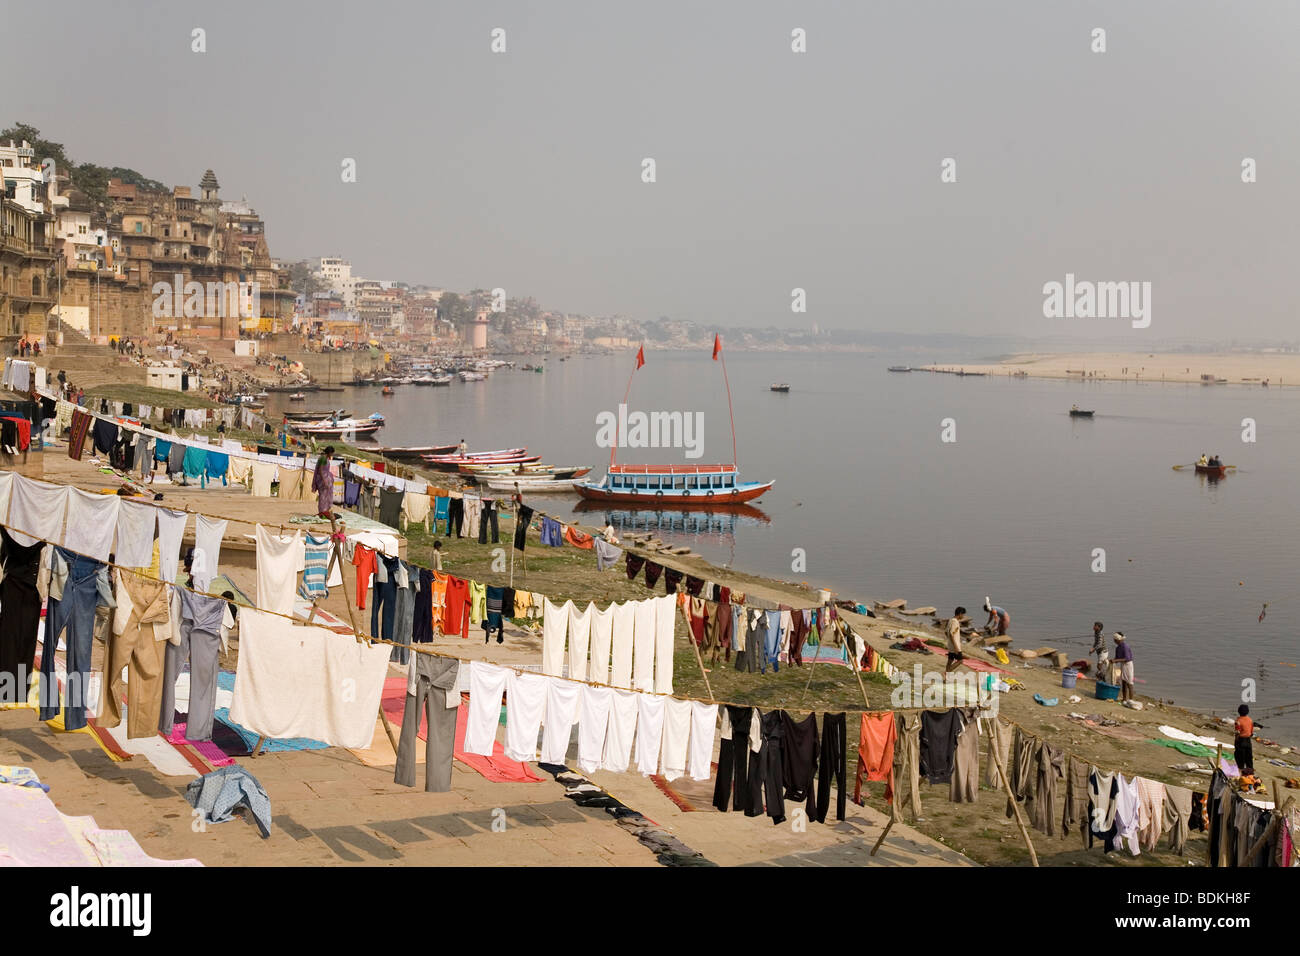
(1107, 691)
(1069, 676)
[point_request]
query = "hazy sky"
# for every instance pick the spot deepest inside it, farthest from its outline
(775, 169)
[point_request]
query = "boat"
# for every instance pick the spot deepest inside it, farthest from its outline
(531, 485)
(1081, 412)
(338, 427)
(700, 486)
(297, 397)
(478, 455)
(678, 521)
(482, 473)
(410, 452)
(387, 390)
(468, 376)
(316, 415)
(900, 368)
(1214, 471)
(780, 387)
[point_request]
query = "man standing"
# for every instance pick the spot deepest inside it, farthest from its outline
(955, 656)
(1124, 657)
(462, 448)
(1099, 649)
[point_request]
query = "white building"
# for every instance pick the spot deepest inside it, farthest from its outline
(337, 274)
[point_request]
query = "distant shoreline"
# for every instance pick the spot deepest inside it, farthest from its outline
(1279, 370)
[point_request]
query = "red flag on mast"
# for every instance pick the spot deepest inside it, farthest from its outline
(717, 345)
(640, 357)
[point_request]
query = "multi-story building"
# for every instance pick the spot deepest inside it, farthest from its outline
(27, 251)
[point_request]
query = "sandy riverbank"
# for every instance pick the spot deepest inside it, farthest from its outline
(1237, 368)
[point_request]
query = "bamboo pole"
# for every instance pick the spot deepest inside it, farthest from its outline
(893, 811)
(1020, 820)
(690, 637)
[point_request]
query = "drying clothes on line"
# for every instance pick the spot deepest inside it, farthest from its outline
(672, 578)
(1049, 766)
(383, 612)
(486, 684)
(455, 611)
(92, 521)
(416, 508)
(652, 572)
(364, 560)
(665, 618)
(966, 761)
(561, 712)
(477, 602)
(289, 678)
(620, 730)
(523, 519)
(704, 721)
(390, 507)
(36, 510)
(6, 492)
(422, 613)
(456, 517)
(1103, 791)
(135, 533)
(261, 475)
(551, 534)
(632, 564)
(1178, 811)
(200, 644)
(620, 668)
(316, 556)
(799, 748)
(137, 643)
(733, 759)
(431, 688)
(473, 507)
(1127, 812)
(649, 732)
(579, 539)
(278, 561)
(907, 761)
(489, 517)
(676, 736)
(555, 627)
(74, 613)
(105, 436)
(77, 431)
(593, 721)
(607, 554)
(20, 603)
(408, 580)
(601, 636)
(208, 533)
(1151, 812)
(694, 585)
(218, 464)
(1074, 813)
(644, 635)
(833, 760)
(579, 639)
(525, 708)
(195, 465)
(766, 781)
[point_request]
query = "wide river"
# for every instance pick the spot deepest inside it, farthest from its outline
(1016, 508)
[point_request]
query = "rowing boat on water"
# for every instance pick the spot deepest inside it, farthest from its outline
(1214, 471)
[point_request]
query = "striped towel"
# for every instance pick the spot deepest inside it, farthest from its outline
(316, 563)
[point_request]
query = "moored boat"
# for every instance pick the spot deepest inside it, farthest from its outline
(410, 452)
(531, 485)
(339, 427)
(711, 486)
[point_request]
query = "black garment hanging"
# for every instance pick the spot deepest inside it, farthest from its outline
(633, 564)
(733, 762)
(455, 516)
(488, 514)
(652, 572)
(672, 580)
(799, 760)
(834, 759)
(21, 619)
(939, 733)
(766, 786)
(523, 518)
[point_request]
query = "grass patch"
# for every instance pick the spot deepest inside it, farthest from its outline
(149, 395)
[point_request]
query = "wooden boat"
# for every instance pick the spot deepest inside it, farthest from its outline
(531, 485)
(1214, 471)
(482, 473)
(1081, 413)
(477, 455)
(410, 452)
(338, 427)
(780, 387)
(297, 397)
(387, 390)
(700, 486)
(316, 415)
(900, 368)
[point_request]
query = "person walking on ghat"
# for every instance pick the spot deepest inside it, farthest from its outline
(1124, 658)
(322, 482)
(955, 656)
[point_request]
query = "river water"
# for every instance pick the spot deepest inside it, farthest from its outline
(880, 506)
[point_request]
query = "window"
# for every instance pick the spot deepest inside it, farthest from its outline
(690, 482)
(166, 231)
(679, 482)
(139, 227)
(36, 285)
(641, 482)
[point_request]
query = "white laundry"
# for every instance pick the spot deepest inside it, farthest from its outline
(620, 668)
(36, 508)
(6, 489)
(555, 625)
(92, 521)
(620, 730)
(561, 711)
(261, 476)
(643, 644)
(579, 638)
(486, 683)
(278, 559)
(704, 722)
(296, 681)
(171, 529)
(208, 533)
(135, 527)
(649, 732)
(602, 630)
(525, 707)
(665, 621)
(677, 733)
(593, 719)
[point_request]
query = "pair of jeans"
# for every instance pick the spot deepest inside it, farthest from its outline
(772, 642)
(75, 614)
(435, 678)
(384, 608)
(404, 615)
(489, 513)
(834, 759)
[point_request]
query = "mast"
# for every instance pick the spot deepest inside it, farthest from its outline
(626, 393)
(730, 413)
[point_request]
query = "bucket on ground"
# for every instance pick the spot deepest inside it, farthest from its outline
(1069, 676)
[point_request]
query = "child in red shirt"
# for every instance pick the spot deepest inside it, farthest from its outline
(1243, 751)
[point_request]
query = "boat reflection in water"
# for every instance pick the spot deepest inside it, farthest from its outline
(693, 522)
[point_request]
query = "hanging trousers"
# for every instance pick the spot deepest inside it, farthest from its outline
(404, 615)
(489, 513)
(200, 645)
(384, 609)
(733, 762)
(834, 759)
(20, 618)
(765, 778)
(143, 658)
(455, 516)
(435, 678)
(75, 615)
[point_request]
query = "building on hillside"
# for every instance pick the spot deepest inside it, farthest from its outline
(27, 249)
